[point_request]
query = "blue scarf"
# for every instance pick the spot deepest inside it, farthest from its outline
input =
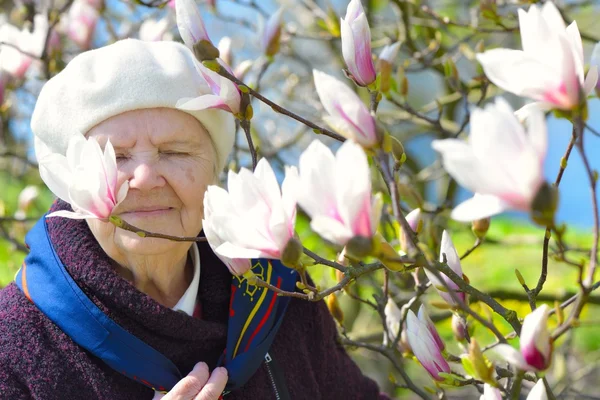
(255, 316)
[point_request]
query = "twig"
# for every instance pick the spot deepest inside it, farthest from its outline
(547, 235)
(277, 108)
(120, 223)
(390, 355)
(245, 124)
(323, 261)
(478, 243)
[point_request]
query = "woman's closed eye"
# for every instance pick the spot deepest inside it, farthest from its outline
(173, 153)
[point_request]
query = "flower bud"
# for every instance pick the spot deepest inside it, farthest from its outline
(360, 247)
(544, 205)
(356, 45)
(204, 50)
(480, 367)
(414, 221)
(334, 308)
(481, 226)
(385, 64)
(459, 327)
(271, 34)
(292, 252)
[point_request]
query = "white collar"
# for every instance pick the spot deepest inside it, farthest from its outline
(187, 303)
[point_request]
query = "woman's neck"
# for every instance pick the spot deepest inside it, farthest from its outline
(158, 276)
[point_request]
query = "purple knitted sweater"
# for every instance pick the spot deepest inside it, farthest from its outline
(38, 361)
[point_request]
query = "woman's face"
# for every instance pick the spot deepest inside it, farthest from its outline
(169, 160)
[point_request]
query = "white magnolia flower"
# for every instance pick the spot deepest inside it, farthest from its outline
(550, 68)
(501, 162)
(335, 191)
(86, 178)
(253, 218)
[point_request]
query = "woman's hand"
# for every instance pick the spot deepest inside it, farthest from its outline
(198, 385)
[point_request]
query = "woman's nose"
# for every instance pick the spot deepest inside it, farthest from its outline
(145, 175)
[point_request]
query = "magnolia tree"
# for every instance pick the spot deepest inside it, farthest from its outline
(390, 251)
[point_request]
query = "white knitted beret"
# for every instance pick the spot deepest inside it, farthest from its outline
(127, 75)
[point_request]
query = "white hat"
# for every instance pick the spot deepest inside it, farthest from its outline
(127, 75)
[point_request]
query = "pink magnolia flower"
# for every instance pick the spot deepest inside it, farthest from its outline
(86, 178)
(335, 191)
(490, 393)
(81, 23)
(550, 68)
(424, 318)
(453, 260)
(216, 199)
(501, 162)
(22, 46)
(270, 36)
(253, 218)
(536, 344)
(225, 94)
(425, 347)
(347, 114)
(356, 44)
(190, 23)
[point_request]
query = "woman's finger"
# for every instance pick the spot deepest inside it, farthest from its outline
(215, 385)
(191, 385)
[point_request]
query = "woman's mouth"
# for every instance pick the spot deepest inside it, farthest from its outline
(148, 211)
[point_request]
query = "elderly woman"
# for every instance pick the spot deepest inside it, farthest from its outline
(93, 305)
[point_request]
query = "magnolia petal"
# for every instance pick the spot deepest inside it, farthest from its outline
(331, 229)
(365, 69)
(551, 15)
(424, 318)
(448, 250)
(512, 356)
(490, 393)
(353, 186)
(110, 167)
(122, 193)
(393, 316)
(535, 334)
(595, 58)
(538, 392)
(190, 22)
(317, 175)
(71, 215)
(230, 250)
(353, 10)
(576, 46)
(424, 347)
(55, 173)
(463, 165)
(265, 175)
(289, 197)
(204, 102)
(518, 72)
(348, 46)
(390, 52)
(523, 113)
(537, 131)
(479, 206)
(591, 80)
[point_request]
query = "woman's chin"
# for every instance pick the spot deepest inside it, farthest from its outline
(132, 242)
